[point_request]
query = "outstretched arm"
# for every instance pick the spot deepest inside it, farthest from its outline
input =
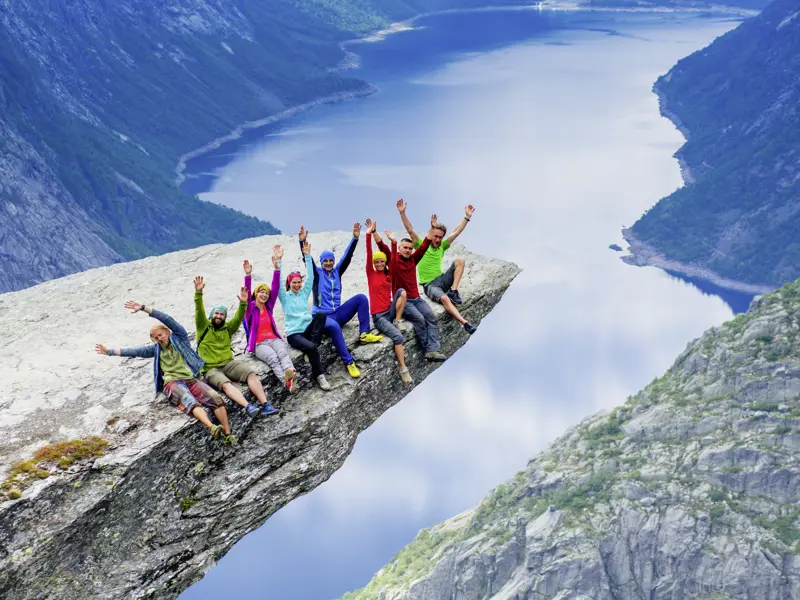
(200, 319)
(275, 288)
(401, 208)
(148, 351)
(423, 247)
(371, 225)
(469, 210)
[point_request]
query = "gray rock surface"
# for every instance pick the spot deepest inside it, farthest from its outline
(166, 502)
(689, 490)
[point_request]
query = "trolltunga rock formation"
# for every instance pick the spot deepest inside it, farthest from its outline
(165, 502)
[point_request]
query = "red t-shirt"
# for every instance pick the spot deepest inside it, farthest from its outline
(404, 270)
(265, 330)
(379, 282)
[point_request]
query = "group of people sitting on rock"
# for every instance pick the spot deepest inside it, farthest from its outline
(192, 378)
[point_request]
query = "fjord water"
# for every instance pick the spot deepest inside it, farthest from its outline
(546, 123)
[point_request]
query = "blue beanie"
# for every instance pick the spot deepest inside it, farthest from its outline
(326, 254)
(218, 308)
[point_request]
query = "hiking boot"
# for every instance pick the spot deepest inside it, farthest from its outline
(230, 439)
(267, 409)
(469, 328)
(290, 377)
(435, 356)
(453, 295)
(251, 410)
(368, 338)
(353, 370)
(215, 431)
(406, 376)
(323, 383)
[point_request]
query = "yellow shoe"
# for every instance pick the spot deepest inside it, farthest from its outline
(368, 338)
(353, 370)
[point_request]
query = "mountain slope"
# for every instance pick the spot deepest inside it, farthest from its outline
(737, 103)
(688, 490)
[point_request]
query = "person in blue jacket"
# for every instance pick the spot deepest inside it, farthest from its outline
(327, 293)
(176, 368)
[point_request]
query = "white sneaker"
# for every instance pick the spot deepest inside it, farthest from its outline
(323, 383)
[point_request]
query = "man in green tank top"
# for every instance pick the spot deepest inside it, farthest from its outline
(440, 286)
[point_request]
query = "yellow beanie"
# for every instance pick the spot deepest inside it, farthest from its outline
(379, 256)
(259, 287)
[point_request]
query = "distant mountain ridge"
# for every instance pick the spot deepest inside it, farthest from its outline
(738, 216)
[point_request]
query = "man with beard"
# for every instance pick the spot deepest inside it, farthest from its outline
(214, 347)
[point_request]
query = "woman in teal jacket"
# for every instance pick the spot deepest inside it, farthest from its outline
(303, 331)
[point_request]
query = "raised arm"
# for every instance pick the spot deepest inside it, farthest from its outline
(200, 319)
(248, 277)
(310, 270)
(423, 248)
(275, 288)
(344, 262)
(469, 210)
(401, 208)
(237, 319)
(171, 323)
(371, 225)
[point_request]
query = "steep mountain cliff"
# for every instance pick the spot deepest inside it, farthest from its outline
(106, 492)
(688, 490)
(736, 101)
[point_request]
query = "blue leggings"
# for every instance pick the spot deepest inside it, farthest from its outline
(358, 304)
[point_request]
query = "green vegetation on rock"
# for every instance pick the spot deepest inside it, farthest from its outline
(736, 100)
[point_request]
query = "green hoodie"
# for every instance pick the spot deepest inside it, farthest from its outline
(214, 345)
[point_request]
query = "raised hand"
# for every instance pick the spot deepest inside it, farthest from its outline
(100, 349)
(371, 225)
(248, 268)
(274, 262)
(306, 248)
(356, 229)
(134, 306)
(199, 283)
(469, 210)
(389, 236)
(434, 220)
(242, 294)
(277, 251)
(401, 206)
(303, 234)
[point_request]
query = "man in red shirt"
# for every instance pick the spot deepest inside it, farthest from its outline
(386, 305)
(403, 268)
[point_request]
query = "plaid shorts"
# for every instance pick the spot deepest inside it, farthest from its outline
(186, 394)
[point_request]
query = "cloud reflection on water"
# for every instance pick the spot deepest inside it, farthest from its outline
(558, 146)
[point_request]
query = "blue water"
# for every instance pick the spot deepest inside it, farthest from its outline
(547, 124)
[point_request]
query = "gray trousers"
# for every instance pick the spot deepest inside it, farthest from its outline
(274, 353)
(426, 326)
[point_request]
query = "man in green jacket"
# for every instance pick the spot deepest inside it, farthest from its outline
(221, 370)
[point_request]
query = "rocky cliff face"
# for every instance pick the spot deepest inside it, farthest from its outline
(688, 490)
(165, 502)
(737, 103)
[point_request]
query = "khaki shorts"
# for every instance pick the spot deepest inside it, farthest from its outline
(231, 371)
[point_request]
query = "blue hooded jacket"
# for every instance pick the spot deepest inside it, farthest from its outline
(179, 339)
(327, 290)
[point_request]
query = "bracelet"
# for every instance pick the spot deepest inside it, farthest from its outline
(143, 308)
(466, 218)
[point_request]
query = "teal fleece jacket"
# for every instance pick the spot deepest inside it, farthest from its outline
(296, 315)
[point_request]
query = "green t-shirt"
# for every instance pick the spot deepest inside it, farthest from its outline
(430, 267)
(173, 365)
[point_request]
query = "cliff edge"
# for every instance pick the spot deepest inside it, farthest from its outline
(151, 512)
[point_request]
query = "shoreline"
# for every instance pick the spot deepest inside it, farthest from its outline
(350, 61)
(641, 254)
